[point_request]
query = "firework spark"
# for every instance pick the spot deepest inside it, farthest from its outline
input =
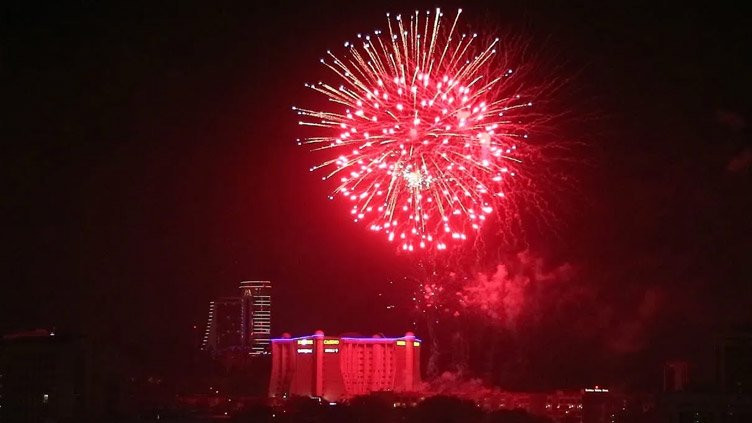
(426, 128)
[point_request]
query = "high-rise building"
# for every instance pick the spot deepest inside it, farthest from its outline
(223, 328)
(734, 361)
(240, 324)
(256, 319)
(598, 405)
(336, 368)
(675, 376)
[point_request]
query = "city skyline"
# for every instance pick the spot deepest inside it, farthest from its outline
(152, 165)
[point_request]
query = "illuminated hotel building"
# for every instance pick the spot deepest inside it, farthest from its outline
(223, 325)
(256, 319)
(240, 324)
(336, 368)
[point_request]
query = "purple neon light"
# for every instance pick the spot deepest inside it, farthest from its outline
(366, 340)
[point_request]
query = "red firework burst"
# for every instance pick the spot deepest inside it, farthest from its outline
(427, 130)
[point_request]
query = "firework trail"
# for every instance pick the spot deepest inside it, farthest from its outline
(427, 128)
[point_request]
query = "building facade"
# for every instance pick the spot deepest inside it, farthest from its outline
(223, 328)
(675, 376)
(734, 362)
(240, 325)
(256, 318)
(337, 368)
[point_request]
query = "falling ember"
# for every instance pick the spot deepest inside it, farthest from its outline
(424, 129)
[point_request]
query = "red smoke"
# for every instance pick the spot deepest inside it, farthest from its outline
(504, 294)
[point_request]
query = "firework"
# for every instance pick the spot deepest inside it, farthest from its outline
(426, 129)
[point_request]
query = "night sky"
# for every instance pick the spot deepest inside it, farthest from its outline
(149, 164)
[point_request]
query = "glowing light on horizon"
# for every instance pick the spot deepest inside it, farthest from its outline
(425, 130)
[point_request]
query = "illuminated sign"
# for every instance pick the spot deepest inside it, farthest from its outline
(305, 350)
(401, 343)
(416, 343)
(305, 341)
(331, 341)
(331, 350)
(596, 390)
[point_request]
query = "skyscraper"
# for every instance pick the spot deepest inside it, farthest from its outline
(240, 324)
(223, 327)
(675, 376)
(734, 361)
(256, 316)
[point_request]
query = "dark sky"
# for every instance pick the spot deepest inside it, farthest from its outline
(149, 164)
